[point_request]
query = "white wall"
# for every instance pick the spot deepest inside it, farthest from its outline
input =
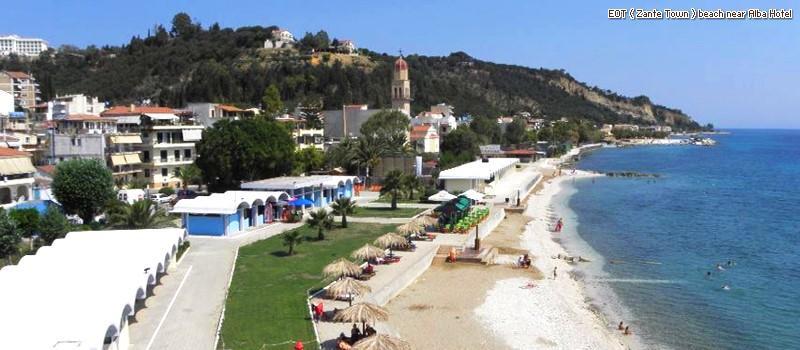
(6, 103)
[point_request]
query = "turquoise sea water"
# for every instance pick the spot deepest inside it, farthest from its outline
(739, 201)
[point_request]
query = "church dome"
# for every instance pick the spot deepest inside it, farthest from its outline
(400, 64)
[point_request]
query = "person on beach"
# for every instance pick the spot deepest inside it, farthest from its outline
(627, 330)
(620, 327)
(555, 272)
(355, 333)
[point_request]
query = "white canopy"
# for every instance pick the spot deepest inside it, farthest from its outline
(162, 116)
(228, 202)
(478, 170)
(81, 289)
(442, 196)
(473, 195)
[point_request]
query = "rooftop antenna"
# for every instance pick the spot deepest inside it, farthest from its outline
(401, 52)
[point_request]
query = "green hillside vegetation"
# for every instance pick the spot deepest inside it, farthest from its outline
(189, 62)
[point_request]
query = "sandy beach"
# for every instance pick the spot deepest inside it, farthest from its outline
(471, 306)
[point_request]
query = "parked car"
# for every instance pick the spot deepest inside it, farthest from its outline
(131, 195)
(186, 194)
(160, 198)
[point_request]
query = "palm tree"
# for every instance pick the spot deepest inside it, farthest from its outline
(188, 175)
(292, 239)
(368, 153)
(322, 220)
(411, 183)
(343, 206)
(392, 185)
(139, 215)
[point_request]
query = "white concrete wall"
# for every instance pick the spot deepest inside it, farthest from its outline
(411, 273)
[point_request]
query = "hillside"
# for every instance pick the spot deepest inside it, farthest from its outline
(192, 63)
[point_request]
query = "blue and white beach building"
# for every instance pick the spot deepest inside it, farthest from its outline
(319, 189)
(222, 214)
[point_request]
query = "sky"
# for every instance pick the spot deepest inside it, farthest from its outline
(735, 74)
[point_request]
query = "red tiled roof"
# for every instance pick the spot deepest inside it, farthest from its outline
(47, 169)
(134, 110)
(10, 152)
(17, 75)
(419, 131)
(228, 108)
(521, 152)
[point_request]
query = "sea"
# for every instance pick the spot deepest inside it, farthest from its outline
(731, 210)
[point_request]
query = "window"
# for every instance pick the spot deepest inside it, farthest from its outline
(163, 156)
(79, 142)
(146, 172)
(73, 141)
(146, 155)
(160, 137)
(177, 155)
(177, 172)
(187, 154)
(164, 172)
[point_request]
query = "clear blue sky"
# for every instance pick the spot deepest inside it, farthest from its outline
(733, 74)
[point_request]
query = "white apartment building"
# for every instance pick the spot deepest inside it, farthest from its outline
(170, 147)
(281, 38)
(14, 44)
(63, 106)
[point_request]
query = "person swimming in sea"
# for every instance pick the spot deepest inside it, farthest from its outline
(708, 274)
(726, 287)
(719, 267)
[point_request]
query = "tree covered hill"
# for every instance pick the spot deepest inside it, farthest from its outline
(191, 63)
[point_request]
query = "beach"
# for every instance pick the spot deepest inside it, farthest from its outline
(467, 306)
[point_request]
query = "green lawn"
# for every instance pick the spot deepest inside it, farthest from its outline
(267, 299)
(369, 212)
(387, 199)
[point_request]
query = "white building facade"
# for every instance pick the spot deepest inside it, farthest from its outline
(16, 45)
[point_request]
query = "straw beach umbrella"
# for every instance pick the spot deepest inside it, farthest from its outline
(381, 342)
(348, 287)
(410, 228)
(366, 252)
(362, 312)
(391, 240)
(426, 220)
(341, 267)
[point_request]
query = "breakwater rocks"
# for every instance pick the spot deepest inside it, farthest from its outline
(630, 174)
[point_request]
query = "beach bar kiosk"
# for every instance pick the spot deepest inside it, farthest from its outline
(476, 175)
(222, 214)
(319, 189)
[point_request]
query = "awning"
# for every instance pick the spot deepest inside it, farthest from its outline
(15, 166)
(162, 116)
(129, 120)
(118, 159)
(133, 159)
(126, 139)
(192, 134)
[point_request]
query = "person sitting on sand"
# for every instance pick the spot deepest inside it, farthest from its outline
(555, 272)
(627, 330)
(620, 327)
(369, 331)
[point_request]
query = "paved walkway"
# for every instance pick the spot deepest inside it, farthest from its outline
(399, 205)
(388, 281)
(185, 308)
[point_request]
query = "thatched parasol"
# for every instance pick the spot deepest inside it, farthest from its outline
(381, 342)
(410, 228)
(362, 312)
(341, 267)
(348, 287)
(391, 240)
(367, 252)
(426, 220)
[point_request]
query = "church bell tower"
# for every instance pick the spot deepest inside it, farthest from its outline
(401, 87)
